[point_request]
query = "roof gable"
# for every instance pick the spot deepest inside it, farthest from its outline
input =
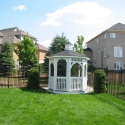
(9, 29)
(117, 27)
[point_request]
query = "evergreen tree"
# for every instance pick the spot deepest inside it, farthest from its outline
(6, 55)
(57, 45)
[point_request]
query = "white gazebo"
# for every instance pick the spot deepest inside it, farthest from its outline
(68, 71)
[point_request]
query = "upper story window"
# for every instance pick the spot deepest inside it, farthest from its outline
(118, 65)
(97, 40)
(112, 35)
(104, 36)
(104, 52)
(118, 51)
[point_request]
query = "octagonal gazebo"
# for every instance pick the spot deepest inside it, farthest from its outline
(68, 71)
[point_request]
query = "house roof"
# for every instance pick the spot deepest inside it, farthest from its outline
(16, 40)
(87, 49)
(17, 31)
(9, 29)
(41, 47)
(69, 53)
(1, 39)
(1, 34)
(116, 27)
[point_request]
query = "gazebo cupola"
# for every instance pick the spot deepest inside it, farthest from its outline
(68, 71)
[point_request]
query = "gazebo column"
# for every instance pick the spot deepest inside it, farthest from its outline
(49, 73)
(83, 76)
(55, 73)
(68, 75)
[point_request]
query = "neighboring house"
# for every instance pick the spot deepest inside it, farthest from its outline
(15, 35)
(41, 52)
(108, 48)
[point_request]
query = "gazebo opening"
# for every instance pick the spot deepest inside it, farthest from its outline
(52, 69)
(76, 70)
(85, 71)
(61, 68)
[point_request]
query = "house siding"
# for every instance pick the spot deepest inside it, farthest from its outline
(98, 47)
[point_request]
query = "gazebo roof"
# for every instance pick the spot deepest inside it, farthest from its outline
(68, 53)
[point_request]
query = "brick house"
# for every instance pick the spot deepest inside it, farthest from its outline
(15, 35)
(107, 49)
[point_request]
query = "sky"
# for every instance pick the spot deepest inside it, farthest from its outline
(44, 19)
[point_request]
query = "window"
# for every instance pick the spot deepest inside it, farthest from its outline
(97, 40)
(112, 35)
(104, 52)
(118, 65)
(104, 36)
(117, 51)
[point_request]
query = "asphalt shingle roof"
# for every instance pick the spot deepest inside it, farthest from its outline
(68, 53)
(1, 34)
(87, 49)
(118, 26)
(41, 47)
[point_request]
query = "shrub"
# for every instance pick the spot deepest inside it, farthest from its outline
(99, 81)
(33, 78)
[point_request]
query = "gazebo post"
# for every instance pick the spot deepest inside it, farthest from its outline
(82, 75)
(68, 76)
(55, 73)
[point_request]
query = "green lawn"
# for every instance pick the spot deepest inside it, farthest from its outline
(36, 107)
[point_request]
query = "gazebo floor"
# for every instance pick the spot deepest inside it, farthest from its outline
(88, 90)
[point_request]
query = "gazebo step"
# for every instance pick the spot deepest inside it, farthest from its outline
(71, 92)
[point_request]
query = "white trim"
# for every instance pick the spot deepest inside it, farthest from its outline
(118, 51)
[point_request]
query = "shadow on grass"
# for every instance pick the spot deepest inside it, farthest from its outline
(39, 90)
(108, 101)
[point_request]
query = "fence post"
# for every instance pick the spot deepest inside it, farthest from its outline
(106, 70)
(23, 74)
(121, 77)
(8, 76)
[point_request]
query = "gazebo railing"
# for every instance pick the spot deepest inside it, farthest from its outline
(61, 83)
(76, 83)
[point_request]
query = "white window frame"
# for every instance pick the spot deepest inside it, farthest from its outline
(118, 51)
(112, 35)
(104, 52)
(118, 65)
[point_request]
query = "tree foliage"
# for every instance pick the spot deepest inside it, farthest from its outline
(57, 45)
(33, 78)
(6, 55)
(27, 52)
(78, 46)
(99, 81)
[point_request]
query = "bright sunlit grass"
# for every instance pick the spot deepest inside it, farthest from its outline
(37, 107)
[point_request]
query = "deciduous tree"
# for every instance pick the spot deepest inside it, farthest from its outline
(78, 46)
(27, 52)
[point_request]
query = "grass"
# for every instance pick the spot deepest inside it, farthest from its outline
(37, 107)
(117, 90)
